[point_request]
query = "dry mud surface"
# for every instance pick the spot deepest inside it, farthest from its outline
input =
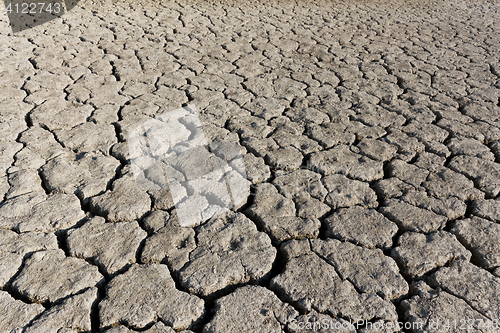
(369, 133)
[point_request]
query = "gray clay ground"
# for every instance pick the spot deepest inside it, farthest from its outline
(370, 132)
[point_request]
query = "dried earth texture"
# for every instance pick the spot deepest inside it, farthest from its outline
(358, 144)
